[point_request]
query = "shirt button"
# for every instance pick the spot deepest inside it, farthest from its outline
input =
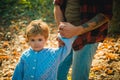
(34, 60)
(32, 76)
(33, 67)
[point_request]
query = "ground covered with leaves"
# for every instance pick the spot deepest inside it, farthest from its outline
(105, 66)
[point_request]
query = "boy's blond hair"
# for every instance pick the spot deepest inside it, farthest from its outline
(37, 27)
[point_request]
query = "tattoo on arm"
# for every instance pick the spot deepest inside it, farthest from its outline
(96, 21)
(85, 25)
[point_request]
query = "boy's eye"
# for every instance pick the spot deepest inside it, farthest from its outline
(39, 39)
(32, 40)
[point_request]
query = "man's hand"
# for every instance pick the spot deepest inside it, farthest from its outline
(68, 30)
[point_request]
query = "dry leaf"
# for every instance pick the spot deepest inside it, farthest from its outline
(2, 50)
(4, 57)
(5, 44)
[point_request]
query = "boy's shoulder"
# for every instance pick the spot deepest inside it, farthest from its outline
(50, 49)
(29, 52)
(26, 52)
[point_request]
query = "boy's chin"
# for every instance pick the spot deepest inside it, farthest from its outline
(38, 49)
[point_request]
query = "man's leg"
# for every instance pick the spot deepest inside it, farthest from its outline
(82, 60)
(64, 67)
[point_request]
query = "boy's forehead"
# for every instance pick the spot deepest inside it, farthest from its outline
(37, 35)
(34, 35)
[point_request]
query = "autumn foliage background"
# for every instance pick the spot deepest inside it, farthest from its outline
(15, 15)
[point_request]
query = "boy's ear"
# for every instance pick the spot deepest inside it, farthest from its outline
(46, 39)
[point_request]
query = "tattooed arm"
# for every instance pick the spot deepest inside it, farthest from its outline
(70, 30)
(95, 22)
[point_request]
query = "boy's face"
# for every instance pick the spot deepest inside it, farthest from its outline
(37, 42)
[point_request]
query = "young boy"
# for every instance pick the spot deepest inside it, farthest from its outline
(39, 63)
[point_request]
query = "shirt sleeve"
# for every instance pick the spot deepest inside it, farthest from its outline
(65, 50)
(18, 72)
(67, 41)
(106, 8)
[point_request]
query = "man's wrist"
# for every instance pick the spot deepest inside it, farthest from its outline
(80, 30)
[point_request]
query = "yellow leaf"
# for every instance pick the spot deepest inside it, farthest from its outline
(5, 44)
(4, 57)
(2, 50)
(109, 71)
